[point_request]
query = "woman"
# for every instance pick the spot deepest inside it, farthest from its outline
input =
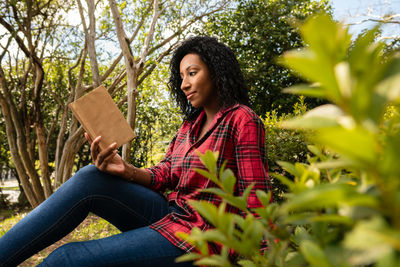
(208, 85)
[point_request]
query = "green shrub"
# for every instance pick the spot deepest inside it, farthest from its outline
(284, 144)
(343, 205)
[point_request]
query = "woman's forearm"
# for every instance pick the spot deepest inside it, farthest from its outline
(137, 175)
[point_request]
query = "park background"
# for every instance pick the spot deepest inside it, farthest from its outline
(52, 52)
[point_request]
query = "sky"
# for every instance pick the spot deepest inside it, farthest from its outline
(355, 11)
(351, 12)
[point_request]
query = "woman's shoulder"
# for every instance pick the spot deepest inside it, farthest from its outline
(243, 114)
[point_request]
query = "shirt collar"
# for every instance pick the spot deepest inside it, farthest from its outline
(195, 127)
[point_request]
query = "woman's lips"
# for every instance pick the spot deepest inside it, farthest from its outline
(188, 96)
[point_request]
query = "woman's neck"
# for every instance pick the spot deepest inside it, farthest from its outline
(211, 110)
(208, 118)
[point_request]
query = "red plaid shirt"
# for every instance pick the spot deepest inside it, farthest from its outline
(238, 134)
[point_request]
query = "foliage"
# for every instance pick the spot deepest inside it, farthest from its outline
(258, 31)
(284, 144)
(9, 222)
(343, 206)
(49, 58)
(157, 119)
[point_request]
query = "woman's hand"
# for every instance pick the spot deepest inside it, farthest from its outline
(110, 162)
(108, 159)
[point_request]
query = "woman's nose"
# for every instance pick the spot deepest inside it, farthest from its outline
(185, 84)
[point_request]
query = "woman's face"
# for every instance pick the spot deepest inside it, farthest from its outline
(196, 82)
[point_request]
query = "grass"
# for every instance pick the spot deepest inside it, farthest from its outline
(91, 228)
(15, 188)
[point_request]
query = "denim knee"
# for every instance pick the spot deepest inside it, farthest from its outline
(62, 256)
(88, 170)
(87, 174)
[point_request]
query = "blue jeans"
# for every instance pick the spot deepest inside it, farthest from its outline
(128, 206)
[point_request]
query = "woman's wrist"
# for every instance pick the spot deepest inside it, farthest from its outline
(137, 175)
(130, 173)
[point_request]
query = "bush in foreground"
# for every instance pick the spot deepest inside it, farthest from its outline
(343, 206)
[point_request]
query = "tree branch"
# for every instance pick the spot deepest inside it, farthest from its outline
(184, 27)
(149, 37)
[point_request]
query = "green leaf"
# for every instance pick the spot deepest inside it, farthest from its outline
(343, 78)
(209, 159)
(388, 260)
(320, 117)
(284, 180)
(215, 235)
(208, 175)
(389, 89)
(306, 90)
(357, 144)
(307, 218)
(332, 40)
(370, 239)
(302, 123)
(315, 150)
(300, 234)
(326, 195)
(314, 254)
(188, 257)
(219, 192)
(247, 192)
(289, 167)
(265, 198)
(324, 51)
(359, 55)
(257, 232)
(307, 64)
(206, 209)
(228, 181)
(222, 169)
(213, 260)
(237, 202)
(331, 164)
(247, 263)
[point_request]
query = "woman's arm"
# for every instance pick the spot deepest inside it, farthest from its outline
(110, 162)
(251, 159)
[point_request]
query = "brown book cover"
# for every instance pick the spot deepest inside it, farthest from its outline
(100, 116)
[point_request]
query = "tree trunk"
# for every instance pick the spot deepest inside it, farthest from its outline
(64, 160)
(40, 133)
(44, 160)
(12, 143)
(132, 74)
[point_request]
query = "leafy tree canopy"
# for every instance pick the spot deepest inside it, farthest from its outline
(258, 31)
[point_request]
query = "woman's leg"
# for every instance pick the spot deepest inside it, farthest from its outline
(126, 205)
(139, 247)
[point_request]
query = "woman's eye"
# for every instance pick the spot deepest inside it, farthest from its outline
(192, 73)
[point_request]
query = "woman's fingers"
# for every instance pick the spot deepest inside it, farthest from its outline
(88, 138)
(94, 148)
(101, 158)
(106, 154)
(104, 163)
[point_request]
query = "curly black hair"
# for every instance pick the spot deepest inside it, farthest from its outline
(224, 70)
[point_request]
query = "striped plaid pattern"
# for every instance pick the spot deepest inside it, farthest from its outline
(238, 134)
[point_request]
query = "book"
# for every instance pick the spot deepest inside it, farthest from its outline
(100, 116)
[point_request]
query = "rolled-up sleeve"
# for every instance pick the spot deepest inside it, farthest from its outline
(251, 159)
